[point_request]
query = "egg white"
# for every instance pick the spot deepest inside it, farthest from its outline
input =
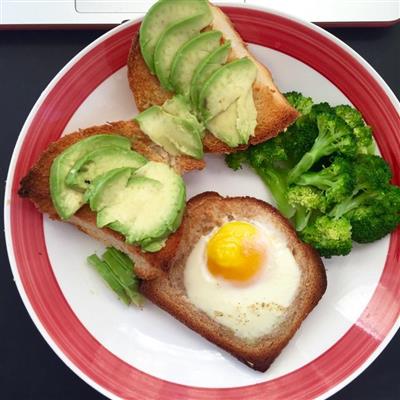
(251, 309)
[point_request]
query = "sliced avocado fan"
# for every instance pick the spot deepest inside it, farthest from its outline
(66, 200)
(161, 15)
(145, 205)
(171, 40)
(236, 124)
(225, 86)
(173, 127)
(191, 61)
(189, 56)
(179, 106)
(99, 161)
(206, 68)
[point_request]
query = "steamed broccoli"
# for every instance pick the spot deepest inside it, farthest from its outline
(299, 138)
(269, 160)
(375, 219)
(320, 108)
(306, 200)
(336, 180)
(301, 103)
(334, 135)
(365, 142)
(236, 160)
(330, 237)
(352, 117)
(362, 132)
(371, 174)
(324, 176)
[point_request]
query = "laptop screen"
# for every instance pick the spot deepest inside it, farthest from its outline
(92, 13)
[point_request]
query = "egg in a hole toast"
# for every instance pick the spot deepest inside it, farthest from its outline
(240, 277)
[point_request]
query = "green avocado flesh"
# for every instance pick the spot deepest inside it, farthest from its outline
(180, 107)
(189, 56)
(225, 86)
(206, 68)
(223, 126)
(209, 92)
(160, 16)
(145, 205)
(236, 124)
(246, 121)
(171, 40)
(99, 161)
(175, 134)
(117, 270)
(65, 199)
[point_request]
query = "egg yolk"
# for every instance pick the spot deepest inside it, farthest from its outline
(235, 252)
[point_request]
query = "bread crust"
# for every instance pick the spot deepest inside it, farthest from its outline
(274, 113)
(203, 213)
(35, 186)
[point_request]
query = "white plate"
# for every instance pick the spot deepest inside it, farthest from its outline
(146, 354)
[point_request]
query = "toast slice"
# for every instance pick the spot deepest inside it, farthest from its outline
(274, 113)
(203, 213)
(35, 186)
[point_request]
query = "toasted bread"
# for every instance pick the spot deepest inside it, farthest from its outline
(203, 213)
(274, 113)
(35, 186)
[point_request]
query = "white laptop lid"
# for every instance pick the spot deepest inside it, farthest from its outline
(92, 13)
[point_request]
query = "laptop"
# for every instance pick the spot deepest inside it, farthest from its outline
(55, 14)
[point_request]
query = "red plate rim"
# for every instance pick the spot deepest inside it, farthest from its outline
(27, 248)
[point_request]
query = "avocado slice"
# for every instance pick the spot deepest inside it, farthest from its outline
(171, 40)
(223, 126)
(66, 200)
(206, 68)
(175, 134)
(246, 120)
(153, 245)
(237, 123)
(160, 16)
(99, 161)
(189, 56)
(225, 86)
(151, 122)
(179, 106)
(144, 205)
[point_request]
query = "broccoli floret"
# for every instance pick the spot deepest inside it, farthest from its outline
(362, 132)
(352, 117)
(306, 200)
(269, 160)
(334, 135)
(330, 237)
(365, 142)
(299, 138)
(336, 180)
(373, 221)
(299, 102)
(270, 153)
(320, 108)
(371, 174)
(236, 160)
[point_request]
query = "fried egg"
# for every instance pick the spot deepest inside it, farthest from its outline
(244, 276)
